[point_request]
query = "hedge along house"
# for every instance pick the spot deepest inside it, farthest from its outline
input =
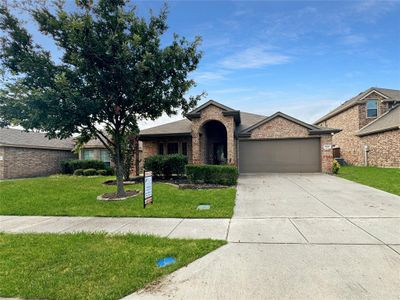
(216, 134)
(31, 154)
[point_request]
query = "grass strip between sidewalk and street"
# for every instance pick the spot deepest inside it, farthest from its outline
(89, 266)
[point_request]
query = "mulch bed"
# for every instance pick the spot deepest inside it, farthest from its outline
(179, 182)
(113, 196)
(200, 186)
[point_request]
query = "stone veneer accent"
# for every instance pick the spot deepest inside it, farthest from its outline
(28, 162)
(384, 148)
(209, 113)
(279, 128)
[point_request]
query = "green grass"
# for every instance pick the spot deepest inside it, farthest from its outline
(88, 266)
(76, 196)
(386, 179)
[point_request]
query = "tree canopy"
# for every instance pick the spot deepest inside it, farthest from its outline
(113, 71)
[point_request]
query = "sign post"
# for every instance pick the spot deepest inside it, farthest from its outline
(147, 188)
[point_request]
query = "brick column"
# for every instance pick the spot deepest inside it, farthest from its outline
(326, 155)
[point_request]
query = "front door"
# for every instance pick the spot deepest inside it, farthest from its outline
(219, 155)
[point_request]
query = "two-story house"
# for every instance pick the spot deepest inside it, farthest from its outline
(370, 124)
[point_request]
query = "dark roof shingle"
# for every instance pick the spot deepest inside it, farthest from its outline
(20, 138)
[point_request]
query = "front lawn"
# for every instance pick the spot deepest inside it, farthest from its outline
(76, 196)
(386, 179)
(88, 266)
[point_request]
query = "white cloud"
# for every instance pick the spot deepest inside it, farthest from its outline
(143, 124)
(354, 39)
(252, 58)
(207, 76)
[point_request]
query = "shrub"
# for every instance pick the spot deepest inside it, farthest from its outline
(109, 171)
(69, 166)
(216, 174)
(335, 166)
(155, 164)
(174, 164)
(166, 164)
(78, 172)
(89, 172)
(101, 172)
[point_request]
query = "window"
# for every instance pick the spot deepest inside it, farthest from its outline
(105, 157)
(88, 154)
(372, 108)
(172, 148)
(161, 149)
(184, 148)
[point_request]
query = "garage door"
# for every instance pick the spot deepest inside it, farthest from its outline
(286, 155)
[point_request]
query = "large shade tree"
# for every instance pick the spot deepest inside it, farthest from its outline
(113, 71)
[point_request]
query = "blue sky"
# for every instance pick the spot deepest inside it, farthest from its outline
(299, 57)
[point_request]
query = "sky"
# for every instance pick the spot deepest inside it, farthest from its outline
(302, 58)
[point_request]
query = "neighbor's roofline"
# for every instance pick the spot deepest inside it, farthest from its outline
(378, 131)
(36, 147)
(333, 113)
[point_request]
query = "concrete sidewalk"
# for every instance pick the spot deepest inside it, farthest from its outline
(165, 227)
(298, 236)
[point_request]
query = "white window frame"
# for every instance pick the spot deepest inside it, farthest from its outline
(377, 108)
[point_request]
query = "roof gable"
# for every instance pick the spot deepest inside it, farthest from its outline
(248, 130)
(226, 111)
(387, 94)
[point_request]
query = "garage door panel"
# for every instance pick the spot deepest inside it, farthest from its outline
(291, 155)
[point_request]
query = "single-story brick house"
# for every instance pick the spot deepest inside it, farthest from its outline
(216, 134)
(30, 154)
(370, 128)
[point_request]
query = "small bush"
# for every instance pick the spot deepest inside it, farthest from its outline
(110, 171)
(335, 167)
(69, 166)
(174, 164)
(101, 172)
(166, 164)
(89, 172)
(155, 164)
(78, 172)
(216, 174)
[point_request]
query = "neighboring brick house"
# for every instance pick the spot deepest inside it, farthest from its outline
(30, 154)
(216, 134)
(370, 124)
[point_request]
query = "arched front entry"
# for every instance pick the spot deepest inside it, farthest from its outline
(214, 143)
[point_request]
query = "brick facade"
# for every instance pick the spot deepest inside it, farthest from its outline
(209, 113)
(351, 145)
(151, 147)
(279, 128)
(28, 162)
(326, 154)
(384, 149)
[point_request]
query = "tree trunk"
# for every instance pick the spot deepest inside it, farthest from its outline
(136, 151)
(119, 170)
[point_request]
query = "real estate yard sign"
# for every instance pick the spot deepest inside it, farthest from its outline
(147, 188)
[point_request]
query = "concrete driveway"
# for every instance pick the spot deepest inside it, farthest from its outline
(297, 236)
